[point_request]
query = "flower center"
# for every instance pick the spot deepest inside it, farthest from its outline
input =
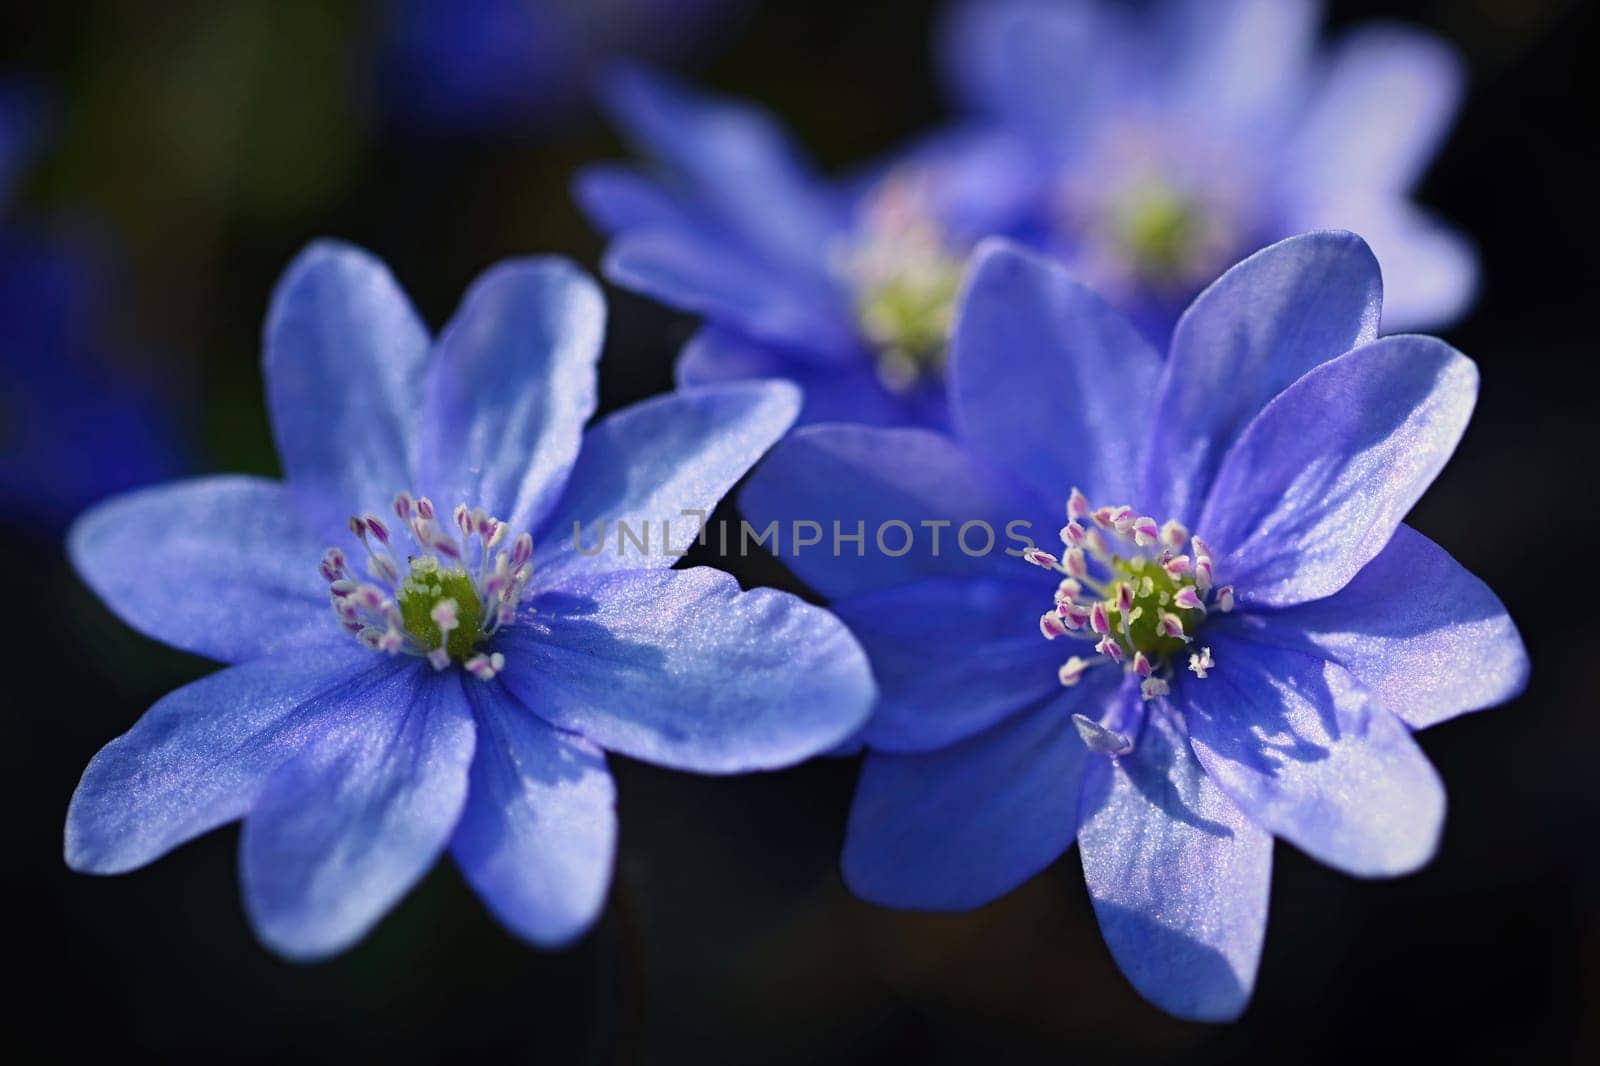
(454, 592)
(1163, 235)
(1128, 587)
(905, 279)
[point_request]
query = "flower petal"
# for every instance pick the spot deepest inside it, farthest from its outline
(654, 463)
(511, 385)
(834, 391)
(1306, 752)
(957, 827)
(198, 758)
(1178, 875)
(1288, 308)
(539, 832)
(218, 566)
(620, 198)
(344, 829)
(1315, 486)
(713, 276)
(1385, 103)
(345, 356)
(734, 156)
(1035, 356)
(1427, 639)
(681, 668)
(952, 657)
(864, 479)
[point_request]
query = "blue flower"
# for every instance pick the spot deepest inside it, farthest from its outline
(1147, 153)
(481, 66)
(463, 687)
(58, 383)
(1257, 633)
(1177, 139)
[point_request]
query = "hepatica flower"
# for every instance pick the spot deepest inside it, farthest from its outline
(1146, 146)
(1177, 136)
(846, 287)
(421, 659)
(1233, 638)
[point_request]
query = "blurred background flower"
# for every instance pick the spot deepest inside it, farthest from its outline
(214, 140)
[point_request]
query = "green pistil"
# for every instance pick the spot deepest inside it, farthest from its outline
(1153, 592)
(908, 315)
(423, 588)
(1159, 230)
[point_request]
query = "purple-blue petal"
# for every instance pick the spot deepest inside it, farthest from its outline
(218, 566)
(1239, 63)
(735, 159)
(511, 385)
(646, 465)
(1178, 875)
(1425, 637)
(834, 391)
(1384, 104)
(1288, 308)
(343, 830)
(198, 758)
(1035, 356)
(538, 835)
(682, 669)
(618, 198)
(1304, 749)
(952, 657)
(866, 479)
(957, 827)
(1316, 485)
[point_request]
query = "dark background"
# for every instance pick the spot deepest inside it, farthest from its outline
(214, 140)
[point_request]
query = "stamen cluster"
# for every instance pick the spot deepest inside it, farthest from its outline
(447, 597)
(1128, 587)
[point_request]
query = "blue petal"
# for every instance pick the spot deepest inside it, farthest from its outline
(736, 158)
(834, 392)
(952, 657)
(646, 465)
(539, 831)
(1238, 62)
(344, 829)
(510, 388)
(1317, 484)
(958, 827)
(1035, 356)
(198, 758)
(1298, 744)
(1050, 70)
(1431, 270)
(714, 276)
(621, 198)
(681, 668)
(1179, 877)
(345, 355)
(1278, 314)
(863, 479)
(218, 566)
(1385, 104)
(1426, 638)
